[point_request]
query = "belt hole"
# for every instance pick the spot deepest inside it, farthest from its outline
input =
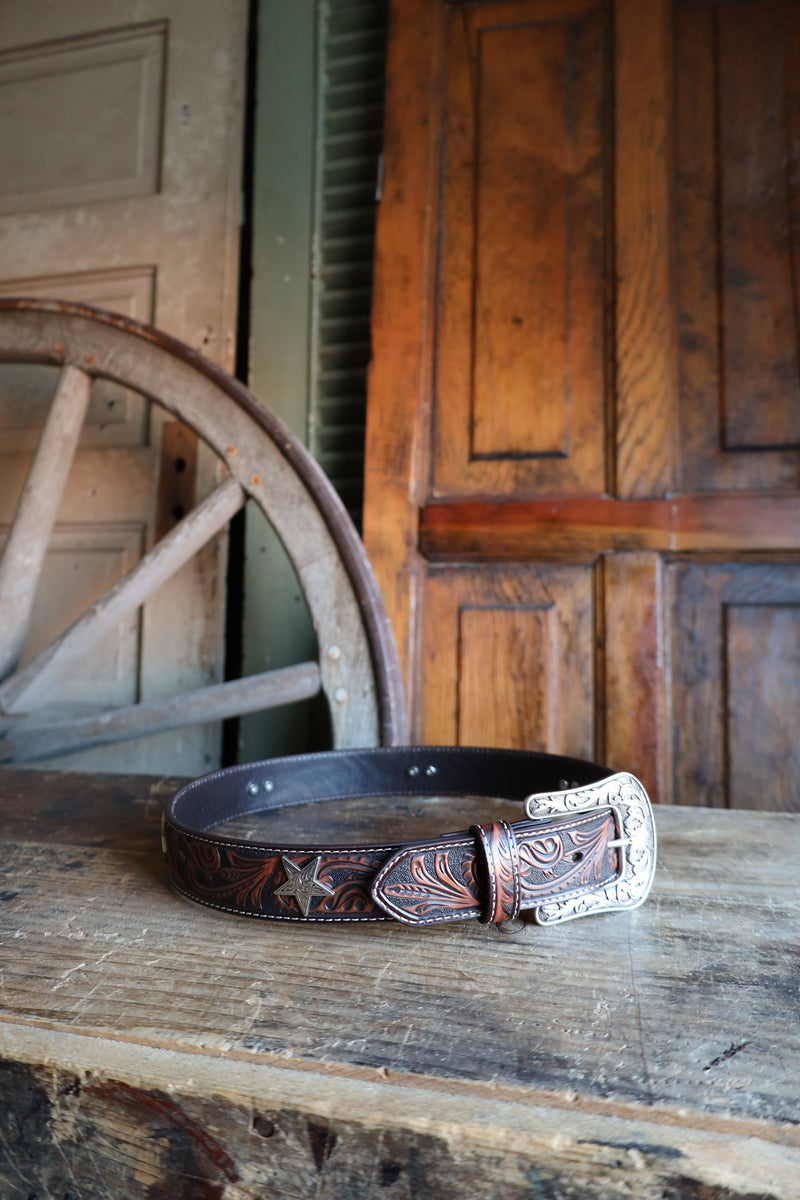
(577, 856)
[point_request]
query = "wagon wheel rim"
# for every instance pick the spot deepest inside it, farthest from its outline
(357, 670)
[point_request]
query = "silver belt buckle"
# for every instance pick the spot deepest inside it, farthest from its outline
(636, 842)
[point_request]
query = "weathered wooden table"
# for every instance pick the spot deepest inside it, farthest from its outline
(153, 1048)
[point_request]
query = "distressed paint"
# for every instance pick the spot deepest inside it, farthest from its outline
(276, 625)
(155, 226)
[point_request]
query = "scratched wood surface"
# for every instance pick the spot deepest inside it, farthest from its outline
(151, 1048)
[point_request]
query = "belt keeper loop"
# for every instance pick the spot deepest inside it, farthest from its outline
(501, 856)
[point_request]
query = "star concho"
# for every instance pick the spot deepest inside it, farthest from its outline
(302, 883)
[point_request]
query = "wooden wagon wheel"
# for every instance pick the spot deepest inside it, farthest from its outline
(357, 668)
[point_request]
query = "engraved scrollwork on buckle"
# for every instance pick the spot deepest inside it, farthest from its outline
(636, 843)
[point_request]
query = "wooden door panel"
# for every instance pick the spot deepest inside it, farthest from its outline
(508, 658)
(92, 492)
(81, 564)
(632, 688)
(622, 178)
(93, 112)
(116, 416)
(735, 635)
(120, 186)
(642, 310)
(738, 209)
(520, 349)
(106, 511)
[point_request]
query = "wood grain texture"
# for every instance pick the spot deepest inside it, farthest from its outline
(515, 70)
(151, 1049)
(737, 208)
(520, 350)
(758, 90)
(583, 529)
(634, 670)
(735, 670)
(677, 142)
(645, 324)
(508, 658)
(402, 319)
(762, 670)
(523, 707)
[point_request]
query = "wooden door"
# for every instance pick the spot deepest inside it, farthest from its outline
(583, 445)
(120, 152)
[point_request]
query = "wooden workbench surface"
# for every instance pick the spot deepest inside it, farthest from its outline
(154, 1048)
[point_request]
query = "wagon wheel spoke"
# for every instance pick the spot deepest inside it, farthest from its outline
(27, 741)
(32, 686)
(28, 538)
(357, 671)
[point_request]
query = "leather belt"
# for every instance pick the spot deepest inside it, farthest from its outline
(587, 843)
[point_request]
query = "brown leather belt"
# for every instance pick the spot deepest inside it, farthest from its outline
(587, 845)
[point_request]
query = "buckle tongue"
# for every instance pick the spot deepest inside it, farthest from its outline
(636, 842)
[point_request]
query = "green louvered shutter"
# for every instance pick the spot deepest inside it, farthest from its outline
(318, 127)
(352, 56)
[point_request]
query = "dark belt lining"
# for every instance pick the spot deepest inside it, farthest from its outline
(576, 852)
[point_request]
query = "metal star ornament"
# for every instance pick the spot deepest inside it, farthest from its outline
(302, 883)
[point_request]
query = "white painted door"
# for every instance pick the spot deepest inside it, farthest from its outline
(120, 159)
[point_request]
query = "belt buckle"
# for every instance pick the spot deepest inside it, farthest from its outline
(624, 794)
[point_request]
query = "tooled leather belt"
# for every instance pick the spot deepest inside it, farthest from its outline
(587, 843)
